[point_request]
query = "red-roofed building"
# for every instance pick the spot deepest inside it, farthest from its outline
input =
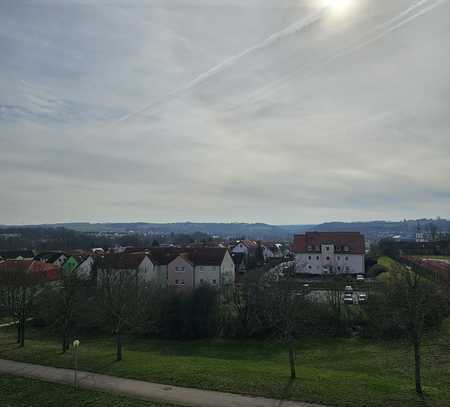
(329, 253)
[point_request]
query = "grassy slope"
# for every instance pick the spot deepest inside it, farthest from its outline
(25, 392)
(340, 372)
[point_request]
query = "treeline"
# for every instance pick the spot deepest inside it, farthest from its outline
(394, 249)
(60, 238)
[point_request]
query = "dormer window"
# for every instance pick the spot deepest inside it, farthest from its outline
(346, 248)
(309, 248)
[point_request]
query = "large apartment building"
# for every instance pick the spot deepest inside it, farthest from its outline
(329, 253)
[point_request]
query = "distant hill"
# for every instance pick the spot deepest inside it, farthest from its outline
(405, 229)
(233, 230)
(373, 230)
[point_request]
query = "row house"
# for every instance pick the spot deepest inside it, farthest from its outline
(329, 253)
(182, 268)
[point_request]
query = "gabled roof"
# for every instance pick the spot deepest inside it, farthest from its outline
(48, 257)
(205, 256)
(249, 244)
(309, 242)
(122, 261)
(49, 271)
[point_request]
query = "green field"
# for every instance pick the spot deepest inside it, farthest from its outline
(333, 371)
(25, 392)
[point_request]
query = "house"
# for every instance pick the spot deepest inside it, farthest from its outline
(85, 267)
(137, 264)
(56, 258)
(246, 247)
(329, 253)
(194, 267)
(44, 272)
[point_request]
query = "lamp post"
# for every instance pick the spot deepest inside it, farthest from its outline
(76, 344)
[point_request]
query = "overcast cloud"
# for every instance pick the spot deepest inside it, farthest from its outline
(277, 111)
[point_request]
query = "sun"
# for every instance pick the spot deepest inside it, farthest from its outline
(338, 6)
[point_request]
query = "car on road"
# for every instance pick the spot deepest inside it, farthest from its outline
(348, 298)
(362, 298)
(359, 277)
(348, 289)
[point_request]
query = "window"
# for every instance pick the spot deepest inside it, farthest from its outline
(346, 258)
(317, 257)
(328, 258)
(339, 268)
(346, 248)
(309, 248)
(347, 268)
(176, 282)
(328, 248)
(339, 257)
(317, 248)
(179, 268)
(309, 257)
(202, 281)
(310, 267)
(214, 282)
(200, 268)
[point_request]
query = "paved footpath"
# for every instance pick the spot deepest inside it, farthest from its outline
(143, 390)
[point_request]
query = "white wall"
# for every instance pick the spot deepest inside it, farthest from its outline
(228, 269)
(314, 263)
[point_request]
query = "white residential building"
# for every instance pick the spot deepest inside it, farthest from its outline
(329, 253)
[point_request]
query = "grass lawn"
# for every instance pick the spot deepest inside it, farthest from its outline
(341, 372)
(25, 392)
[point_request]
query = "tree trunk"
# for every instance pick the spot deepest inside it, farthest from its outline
(19, 330)
(119, 347)
(22, 333)
(292, 358)
(417, 365)
(64, 344)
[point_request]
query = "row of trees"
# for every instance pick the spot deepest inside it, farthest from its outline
(405, 304)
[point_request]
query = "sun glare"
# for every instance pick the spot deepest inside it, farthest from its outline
(338, 6)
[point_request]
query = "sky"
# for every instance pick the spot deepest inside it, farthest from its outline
(277, 111)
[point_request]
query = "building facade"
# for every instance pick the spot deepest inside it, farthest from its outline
(323, 253)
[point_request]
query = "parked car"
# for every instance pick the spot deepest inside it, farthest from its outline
(362, 298)
(348, 298)
(359, 277)
(348, 289)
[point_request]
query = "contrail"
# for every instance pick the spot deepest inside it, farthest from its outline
(273, 38)
(260, 94)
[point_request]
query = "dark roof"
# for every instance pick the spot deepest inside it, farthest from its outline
(14, 254)
(121, 261)
(353, 240)
(48, 257)
(202, 256)
(208, 256)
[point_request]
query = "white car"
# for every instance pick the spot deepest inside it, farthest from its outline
(362, 298)
(359, 277)
(348, 298)
(348, 289)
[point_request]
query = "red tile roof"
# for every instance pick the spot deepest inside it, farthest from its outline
(353, 240)
(48, 271)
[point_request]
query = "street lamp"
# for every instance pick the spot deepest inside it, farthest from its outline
(76, 345)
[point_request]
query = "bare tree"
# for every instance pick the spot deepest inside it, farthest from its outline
(59, 304)
(281, 303)
(334, 297)
(413, 298)
(118, 297)
(19, 287)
